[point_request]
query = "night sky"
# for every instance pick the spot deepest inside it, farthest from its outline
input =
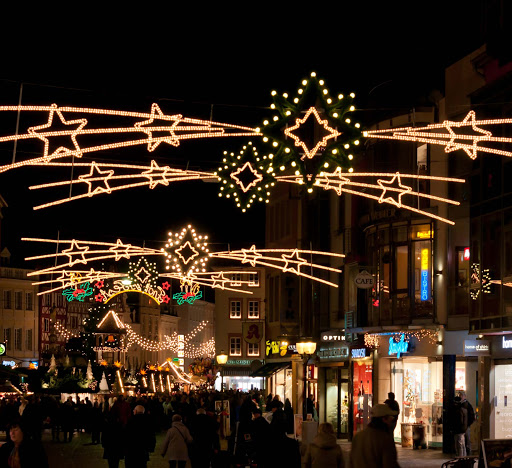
(214, 64)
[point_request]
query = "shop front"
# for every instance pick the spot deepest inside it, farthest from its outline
(333, 383)
(237, 376)
(410, 365)
(501, 387)
(360, 388)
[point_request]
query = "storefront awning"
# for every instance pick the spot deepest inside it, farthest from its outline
(270, 368)
(236, 371)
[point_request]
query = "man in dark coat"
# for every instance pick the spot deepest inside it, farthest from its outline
(140, 439)
(459, 426)
(260, 430)
(471, 419)
(393, 405)
(203, 430)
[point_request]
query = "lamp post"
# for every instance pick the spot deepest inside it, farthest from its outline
(306, 348)
(222, 358)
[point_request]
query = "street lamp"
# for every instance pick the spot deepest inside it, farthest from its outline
(222, 358)
(306, 348)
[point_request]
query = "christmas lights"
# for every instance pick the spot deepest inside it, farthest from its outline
(178, 128)
(340, 183)
(371, 340)
(450, 139)
(480, 281)
(189, 292)
(114, 178)
(181, 255)
(78, 293)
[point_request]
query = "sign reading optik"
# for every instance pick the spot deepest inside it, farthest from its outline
(398, 347)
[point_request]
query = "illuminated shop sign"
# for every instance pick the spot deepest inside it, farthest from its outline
(398, 347)
(506, 344)
(279, 347)
(332, 336)
(333, 353)
(466, 253)
(425, 277)
(477, 348)
(238, 362)
(357, 353)
(423, 235)
(9, 363)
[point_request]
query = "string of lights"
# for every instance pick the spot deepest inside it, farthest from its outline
(372, 340)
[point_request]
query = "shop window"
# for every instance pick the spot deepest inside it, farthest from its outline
(235, 346)
(253, 310)
(253, 349)
(462, 281)
(363, 393)
(235, 309)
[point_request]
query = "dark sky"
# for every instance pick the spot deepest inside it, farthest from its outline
(189, 62)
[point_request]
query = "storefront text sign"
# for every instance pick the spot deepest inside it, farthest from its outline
(506, 343)
(398, 347)
(425, 276)
(358, 353)
(275, 347)
(364, 280)
(477, 348)
(238, 362)
(332, 336)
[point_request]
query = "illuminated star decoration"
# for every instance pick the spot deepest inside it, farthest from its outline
(311, 121)
(332, 181)
(251, 255)
(127, 134)
(387, 186)
(453, 135)
(245, 177)
(143, 272)
(44, 133)
(73, 250)
(147, 128)
(186, 251)
(157, 175)
(97, 176)
(295, 260)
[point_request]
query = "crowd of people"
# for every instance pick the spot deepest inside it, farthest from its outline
(258, 433)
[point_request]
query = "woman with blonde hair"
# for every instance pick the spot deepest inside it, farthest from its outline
(324, 452)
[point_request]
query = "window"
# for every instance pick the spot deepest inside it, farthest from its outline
(46, 324)
(28, 339)
(254, 279)
(235, 346)
(17, 339)
(7, 338)
(7, 300)
(236, 279)
(253, 349)
(18, 297)
(29, 305)
(253, 310)
(235, 309)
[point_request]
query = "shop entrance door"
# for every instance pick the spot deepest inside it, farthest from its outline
(337, 399)
(503, 401)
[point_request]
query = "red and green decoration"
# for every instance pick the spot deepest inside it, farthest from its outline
(78, 292)
(245, 177)
(311, 132)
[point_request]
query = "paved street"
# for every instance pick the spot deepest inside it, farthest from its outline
(79, 453)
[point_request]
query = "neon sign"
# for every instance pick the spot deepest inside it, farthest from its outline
(398, 347)
(425, 279)
(79, 292)
(189, 293)
(358, 353)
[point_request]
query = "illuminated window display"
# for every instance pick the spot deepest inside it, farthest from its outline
(362, 393)
(418, 387)
(337, 399)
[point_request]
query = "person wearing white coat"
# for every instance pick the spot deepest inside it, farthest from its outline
(176, 443)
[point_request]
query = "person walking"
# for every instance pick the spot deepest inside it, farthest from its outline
(471, 419)
(393, 405)
(176, 443)
(19, 451)
(206, 439)
(140, 439)
(112, 440)
(324, 452)
(460, 426)
(374, 446)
